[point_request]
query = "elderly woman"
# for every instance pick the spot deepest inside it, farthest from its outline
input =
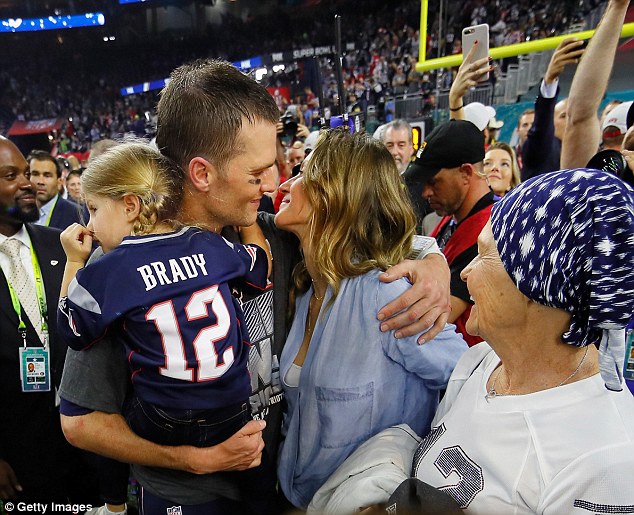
(343, 378)
(536, 420)
(501, 169)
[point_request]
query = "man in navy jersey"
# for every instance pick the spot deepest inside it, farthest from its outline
(219, 126)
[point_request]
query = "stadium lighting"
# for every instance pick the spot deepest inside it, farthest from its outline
(52, 22)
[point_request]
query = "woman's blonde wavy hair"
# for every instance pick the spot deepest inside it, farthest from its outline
(138, 169)
(362, 218)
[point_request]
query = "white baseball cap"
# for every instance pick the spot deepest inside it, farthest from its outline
(479, 114)
(311, 140)
(615, 123)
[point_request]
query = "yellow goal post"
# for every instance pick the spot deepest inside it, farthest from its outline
(538, 45)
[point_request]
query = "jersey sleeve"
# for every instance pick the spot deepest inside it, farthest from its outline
(81, 319)
(255, 280)
(433, 361)
(598, 483)
(422, 246)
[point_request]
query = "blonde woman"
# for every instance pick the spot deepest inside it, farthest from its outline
(343, 378)
(501, 169)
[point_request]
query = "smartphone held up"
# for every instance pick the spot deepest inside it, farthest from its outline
(470, 35)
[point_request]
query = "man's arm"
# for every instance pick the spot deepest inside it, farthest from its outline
(109, 435)
(100, 428)
(541, 134)
(582, 136)
(539, 137)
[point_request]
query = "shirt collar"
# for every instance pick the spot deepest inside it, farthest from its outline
(22, 236)
(46, 208)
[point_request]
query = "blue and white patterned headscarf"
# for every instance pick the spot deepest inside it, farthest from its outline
(567, 241)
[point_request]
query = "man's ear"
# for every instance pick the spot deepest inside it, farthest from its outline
(467, 172)
(471, 171)
(200, 173)
(132, 206)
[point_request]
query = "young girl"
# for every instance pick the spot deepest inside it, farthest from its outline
(164, 291)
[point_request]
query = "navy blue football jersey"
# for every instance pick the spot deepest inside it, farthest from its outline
(168, 298)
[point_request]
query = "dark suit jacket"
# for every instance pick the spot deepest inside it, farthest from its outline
(541, 151)
(82, 209)
(65, 213)
(31, 440)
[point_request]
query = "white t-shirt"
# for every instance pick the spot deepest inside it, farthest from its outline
(565, 450)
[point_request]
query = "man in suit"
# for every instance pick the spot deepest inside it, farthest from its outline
(46, 176)
(541, 150)
(36, 462)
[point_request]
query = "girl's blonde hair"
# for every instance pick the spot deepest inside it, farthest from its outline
(138, 169)
(361, 218)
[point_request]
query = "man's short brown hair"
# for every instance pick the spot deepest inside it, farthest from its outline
(43, 155)
(530, 110)
(202, 108)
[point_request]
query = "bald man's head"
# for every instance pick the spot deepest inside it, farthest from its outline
(560, 118)
(17, 196)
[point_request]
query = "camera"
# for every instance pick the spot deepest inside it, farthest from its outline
(290, 125)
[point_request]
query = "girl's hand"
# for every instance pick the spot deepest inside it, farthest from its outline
(77, 243)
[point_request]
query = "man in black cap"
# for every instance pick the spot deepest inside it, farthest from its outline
(449, 165)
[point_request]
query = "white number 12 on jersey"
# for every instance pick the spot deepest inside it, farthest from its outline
(167, 325)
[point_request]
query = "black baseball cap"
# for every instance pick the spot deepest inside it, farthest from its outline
(414, 496)
(449, 145)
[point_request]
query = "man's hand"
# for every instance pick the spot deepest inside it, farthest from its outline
(9, 484)
(108, 434)
(240, 452)
(425, 306)
(302, 131)
(568, 52)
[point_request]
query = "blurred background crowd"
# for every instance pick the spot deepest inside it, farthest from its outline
(76, 76)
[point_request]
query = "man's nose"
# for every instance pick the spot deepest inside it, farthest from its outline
(268, 181)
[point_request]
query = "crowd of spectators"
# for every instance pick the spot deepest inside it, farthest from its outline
(79, 81)
(347, 423)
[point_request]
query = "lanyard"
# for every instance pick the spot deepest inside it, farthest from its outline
(50, 212)
(41, 299)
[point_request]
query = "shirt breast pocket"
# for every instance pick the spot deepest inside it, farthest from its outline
(345, 414)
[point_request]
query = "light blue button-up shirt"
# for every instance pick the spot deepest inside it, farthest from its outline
(45, 211)
(355, 382)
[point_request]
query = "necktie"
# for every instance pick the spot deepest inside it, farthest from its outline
(22, 284)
